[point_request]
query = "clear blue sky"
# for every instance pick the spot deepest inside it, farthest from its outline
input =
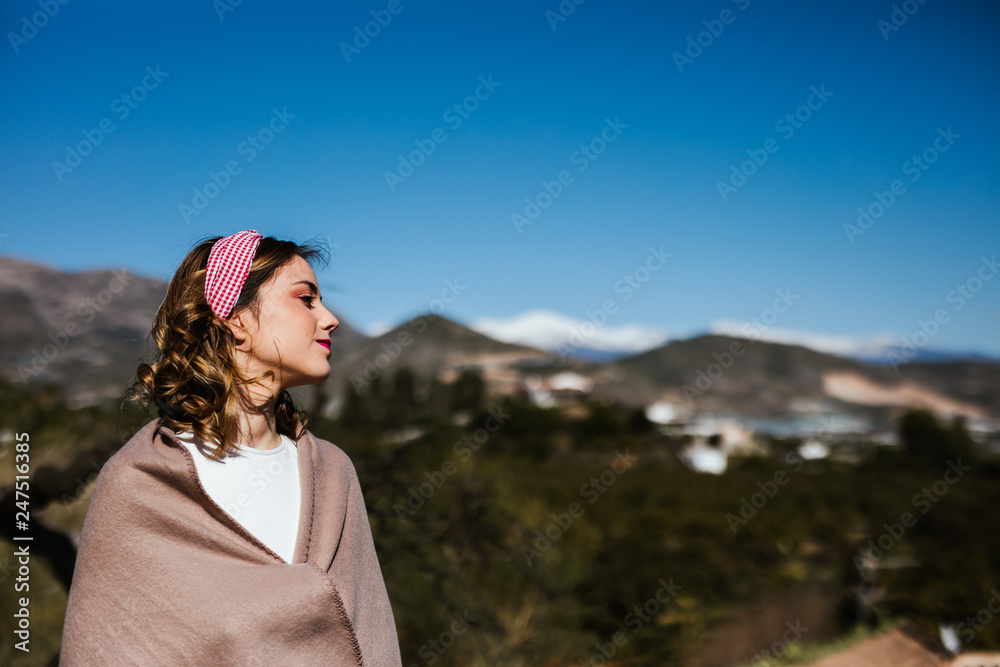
(323, 173)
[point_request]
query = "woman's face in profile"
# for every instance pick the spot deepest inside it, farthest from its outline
(292, 322)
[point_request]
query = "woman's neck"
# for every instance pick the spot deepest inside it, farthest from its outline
(258, 428)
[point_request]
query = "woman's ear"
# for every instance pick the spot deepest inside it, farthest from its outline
(239, 326)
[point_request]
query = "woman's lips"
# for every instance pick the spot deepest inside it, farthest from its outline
(324, 343)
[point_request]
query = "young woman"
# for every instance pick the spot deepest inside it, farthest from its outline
(224, 532)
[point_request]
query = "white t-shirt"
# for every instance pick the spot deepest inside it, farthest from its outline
(259, 488)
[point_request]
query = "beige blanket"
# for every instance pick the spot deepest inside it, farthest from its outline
(165, 577)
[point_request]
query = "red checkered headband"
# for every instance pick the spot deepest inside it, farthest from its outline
(228, 265)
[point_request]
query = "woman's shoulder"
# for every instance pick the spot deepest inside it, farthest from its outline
(148, 449)
(327, 447)
(142, 466)
(329, 453)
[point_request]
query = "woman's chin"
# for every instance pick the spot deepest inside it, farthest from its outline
(322, 376)
(318, 378)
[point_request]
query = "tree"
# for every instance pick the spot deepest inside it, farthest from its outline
(926, 440)
(401, 404)
(467, 391)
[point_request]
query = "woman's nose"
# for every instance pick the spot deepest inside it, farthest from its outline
(330, 321)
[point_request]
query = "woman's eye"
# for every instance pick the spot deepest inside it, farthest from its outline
(309, 300)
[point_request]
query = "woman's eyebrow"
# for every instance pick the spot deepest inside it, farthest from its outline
(312, 286)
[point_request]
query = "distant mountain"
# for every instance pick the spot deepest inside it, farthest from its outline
(88, 331)
(976, 382)
(880, 349)
(591, 339)
(775, 379)
(888, 355)
(431, 346)
(766, 374)
(84, 331)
